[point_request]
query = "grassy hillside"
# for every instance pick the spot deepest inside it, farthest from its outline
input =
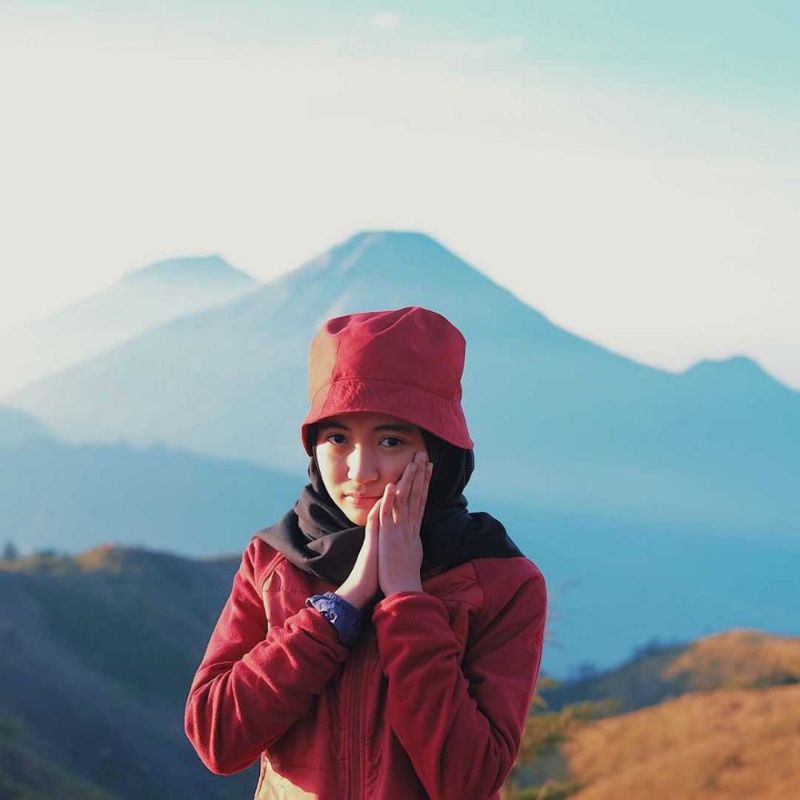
(28, 774)
(98, 652)
(730, 743)
(733, 659)
(713, 719)
(740, 658)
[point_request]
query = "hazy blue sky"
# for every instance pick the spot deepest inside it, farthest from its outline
(630, 169)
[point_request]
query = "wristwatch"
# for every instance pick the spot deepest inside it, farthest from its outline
(346, 618)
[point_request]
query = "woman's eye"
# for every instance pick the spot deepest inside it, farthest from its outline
(335, 438)
(391, 441)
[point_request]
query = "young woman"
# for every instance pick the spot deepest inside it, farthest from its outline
(380, 641)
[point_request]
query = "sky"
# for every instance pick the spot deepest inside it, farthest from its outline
(631, 170)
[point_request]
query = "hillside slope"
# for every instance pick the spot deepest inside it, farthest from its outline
(713, 719)
(139, 301)
(27, 773)
(98, 652)
(730, 744)
(738, 658)
(69, 497)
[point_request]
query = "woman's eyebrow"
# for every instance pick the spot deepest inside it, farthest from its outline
(395, 427)
(332, 423)
(398, 426)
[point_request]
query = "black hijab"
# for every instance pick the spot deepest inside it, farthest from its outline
(317, 536)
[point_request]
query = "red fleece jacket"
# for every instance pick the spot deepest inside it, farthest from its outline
(431, 702)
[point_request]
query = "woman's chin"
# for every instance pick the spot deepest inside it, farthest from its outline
(357, 509)
(357, 518)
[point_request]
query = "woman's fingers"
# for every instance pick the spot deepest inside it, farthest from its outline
(373, 518)
(403, 491)
(405, 504)
(426, 471)
(387, 506)
(419, 490)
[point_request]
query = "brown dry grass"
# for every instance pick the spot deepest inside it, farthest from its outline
(737, 658)
(727, 744)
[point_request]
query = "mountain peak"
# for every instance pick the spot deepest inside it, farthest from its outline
(741, 363)
(409, 242)
(734, 369)
(737, 658)
(189, 269)
(406, 257)
(390, 233)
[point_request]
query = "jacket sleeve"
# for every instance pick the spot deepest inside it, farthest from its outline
(255, 680)
(461, 722)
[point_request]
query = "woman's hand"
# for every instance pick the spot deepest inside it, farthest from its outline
(391, 556)
(361, 585)
(400, 518)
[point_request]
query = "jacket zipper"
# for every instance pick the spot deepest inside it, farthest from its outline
(355, 756)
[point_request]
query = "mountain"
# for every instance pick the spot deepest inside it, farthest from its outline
(612, 585)
(713, 718)
(57, 496)
(69, 497)
(731, 743)
(98, 653)
(27, 772)
(17, 427)
(559, 422)
(653, 502)
(734, 659)
(140, 300)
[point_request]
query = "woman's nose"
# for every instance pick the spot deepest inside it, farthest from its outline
(362, 466)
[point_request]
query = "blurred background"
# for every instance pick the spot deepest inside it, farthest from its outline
(603, 197)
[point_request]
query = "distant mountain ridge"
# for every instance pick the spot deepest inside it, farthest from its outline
(734, 659)
(558, 421)
(191, 271)
(17, 427)
(139, 301)
(55, 495)
(618, 479)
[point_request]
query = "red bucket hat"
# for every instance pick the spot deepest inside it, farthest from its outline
(406, 363)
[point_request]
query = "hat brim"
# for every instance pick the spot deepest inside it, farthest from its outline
(441, 416)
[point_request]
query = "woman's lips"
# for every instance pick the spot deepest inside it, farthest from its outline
(362, 500)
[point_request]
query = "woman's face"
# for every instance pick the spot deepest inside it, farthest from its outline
(359, 453)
